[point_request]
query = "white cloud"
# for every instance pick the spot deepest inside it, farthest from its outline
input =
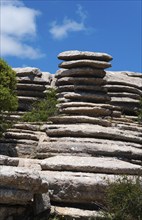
(60, 31)
(17, 26)
(81, 12)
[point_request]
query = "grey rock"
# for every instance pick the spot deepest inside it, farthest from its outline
(85, 96)
(27, 71)
(89, 147)
(124, 95)
(122, 88)
(87, 111)
(124, 78)
(90, 164)
(76, 72)
(31, 94)
(78, 88)
(80, 81)
(76, 213)
(31, 79)
(97, 131)
(75, 55)
(30, 87)
(15, 196)
(23, 179)
(77, 187)
(79, 119)
(84, 63)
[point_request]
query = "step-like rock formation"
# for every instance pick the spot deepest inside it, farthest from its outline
(23, 190)
(125, 90)
(31, 86)
(95, 139)
(81, 86)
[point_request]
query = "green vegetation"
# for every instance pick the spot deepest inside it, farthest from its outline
(43, 109)
(124, 199)
(140, 112)
(8, 98)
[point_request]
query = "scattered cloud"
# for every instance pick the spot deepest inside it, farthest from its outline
(18, 25)
(60, 31)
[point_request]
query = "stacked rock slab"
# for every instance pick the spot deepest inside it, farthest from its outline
(23, 191)
(81, 85)
(85, 139)
(31, 86)
(125, 90)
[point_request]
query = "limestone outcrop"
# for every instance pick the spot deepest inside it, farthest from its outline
(125, 90)
(22, 189)
(31, 86)
(94, 140)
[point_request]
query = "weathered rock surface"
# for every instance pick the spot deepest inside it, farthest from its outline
(76, 72)
(79, 119)
(95, 138)
(91, 165)
(78, 88)
(84, 63)
(80, 81)
(77, 55)
(31, 86)
(24, 179)
(21, 189)
(83, 96)
(77, 187)
(76, 213)
(97, 131)
(125, 90)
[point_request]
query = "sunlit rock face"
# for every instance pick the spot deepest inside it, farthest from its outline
(96, 138)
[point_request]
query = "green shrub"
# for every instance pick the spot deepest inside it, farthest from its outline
(8, 98)
(43, 109)
(124, 199)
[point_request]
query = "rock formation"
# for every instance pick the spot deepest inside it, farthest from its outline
(95, 138)
(31, 86)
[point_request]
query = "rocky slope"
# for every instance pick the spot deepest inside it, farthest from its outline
(95, 138)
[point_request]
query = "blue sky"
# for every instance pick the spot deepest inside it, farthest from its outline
(34, 32)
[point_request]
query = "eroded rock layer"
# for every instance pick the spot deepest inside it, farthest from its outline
(95, 139)
(31, 86)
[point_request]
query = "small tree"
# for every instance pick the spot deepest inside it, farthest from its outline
(8, 98)
(124, 199)
(43, 109)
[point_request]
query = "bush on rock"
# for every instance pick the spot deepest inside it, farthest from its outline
(8, 98)
(43, 109)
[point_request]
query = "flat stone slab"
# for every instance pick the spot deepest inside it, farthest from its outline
(86, 96)
(30, 87)
(76, 213)
(124, 78)
(88, 104)
(75, 146)
(75, 72)
(23, 179)
(80, 81)
(89, 111)
(78, 187)
(97, 131)
(79, 119)
(84, 63)
(123, 88)
(77, 88)
(75, 55)
(27, 71)
(124, 95)
(15, 196)
(91, 164)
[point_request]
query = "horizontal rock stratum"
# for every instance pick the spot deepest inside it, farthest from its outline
(95, 139)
